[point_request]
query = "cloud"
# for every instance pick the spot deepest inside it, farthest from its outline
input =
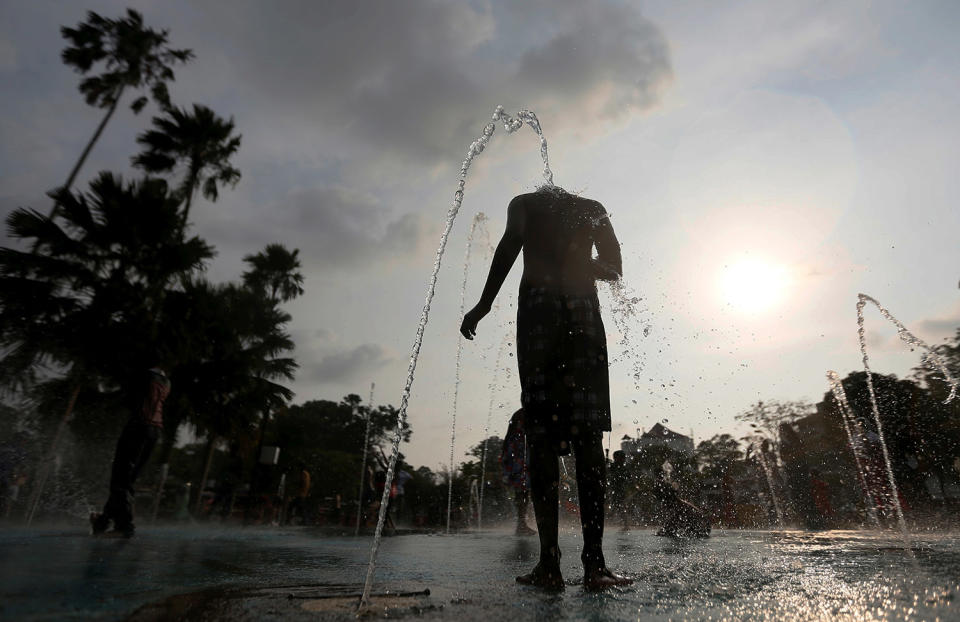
(608, 60)
(345, 364)
(942, 327)
(8, 55)
(334, 226)
(374, 71)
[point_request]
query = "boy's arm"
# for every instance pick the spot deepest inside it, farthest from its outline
(608, 266)
(503, 260)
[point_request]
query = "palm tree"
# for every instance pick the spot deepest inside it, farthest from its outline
(133, 57)
(200, 139)
(277, 270)
(274, 275)
(238, 358)
(86, 302)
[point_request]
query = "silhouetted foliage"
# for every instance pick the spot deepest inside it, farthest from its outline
(199, 139)
(132, 56)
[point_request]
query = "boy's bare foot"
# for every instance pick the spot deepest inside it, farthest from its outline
(601, 579)
(548, 578)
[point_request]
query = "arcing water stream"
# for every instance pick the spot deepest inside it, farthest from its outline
(479, 221)
(476, 147)
(930, 358)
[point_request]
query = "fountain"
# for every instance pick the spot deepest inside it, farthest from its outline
(762, 459)
(479, 221)
(363, 461)
(511, 125)
(855, 436)
(486, 428)
(930, 358)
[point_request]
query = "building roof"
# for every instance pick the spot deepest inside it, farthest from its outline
(663, 432)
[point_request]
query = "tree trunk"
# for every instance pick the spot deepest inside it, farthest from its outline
(89, 147)
(211, 446)
(43, 469)
(191, 188)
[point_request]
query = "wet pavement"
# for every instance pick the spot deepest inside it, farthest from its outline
(257, 574)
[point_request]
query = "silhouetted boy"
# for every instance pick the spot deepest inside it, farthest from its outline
(562, 359)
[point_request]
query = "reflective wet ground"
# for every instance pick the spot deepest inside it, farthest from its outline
(62, 574)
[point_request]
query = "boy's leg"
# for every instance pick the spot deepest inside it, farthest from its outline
(591, 484)
(544, 471)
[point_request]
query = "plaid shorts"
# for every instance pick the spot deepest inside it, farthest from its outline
(562, 358)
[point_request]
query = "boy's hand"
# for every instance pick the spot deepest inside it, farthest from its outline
(470, 320)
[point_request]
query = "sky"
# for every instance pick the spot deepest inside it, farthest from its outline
(763, 163)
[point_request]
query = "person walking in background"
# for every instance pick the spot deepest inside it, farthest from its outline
(134, 446)
(513, 459)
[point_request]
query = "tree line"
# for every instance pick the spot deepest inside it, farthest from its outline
(111, 279)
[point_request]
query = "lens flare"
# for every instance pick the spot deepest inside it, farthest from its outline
(753, 285)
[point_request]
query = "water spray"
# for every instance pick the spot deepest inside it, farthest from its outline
(363, 462)
(930, 358)
(476, 147)
(478, 221)
(855, 436)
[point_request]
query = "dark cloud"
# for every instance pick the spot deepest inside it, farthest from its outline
(610, 61)
(345, 364)
(333, 226)
(419, 76)
(940, 327)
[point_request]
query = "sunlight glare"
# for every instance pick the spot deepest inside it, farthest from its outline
(753, 285)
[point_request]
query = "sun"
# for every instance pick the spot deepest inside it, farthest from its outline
(753, 285)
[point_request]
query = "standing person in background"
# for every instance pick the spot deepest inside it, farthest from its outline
(402, 478)
(134, 446)
(299, 503)
(619, 484)
(513, 459)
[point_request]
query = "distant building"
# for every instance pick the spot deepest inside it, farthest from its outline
(658, 436)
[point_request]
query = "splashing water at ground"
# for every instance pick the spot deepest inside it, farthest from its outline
(476, 147)
(855, 436)
(930, 358)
